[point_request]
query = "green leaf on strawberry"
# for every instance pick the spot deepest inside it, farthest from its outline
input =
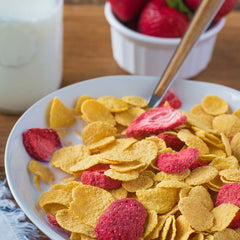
(181, 6)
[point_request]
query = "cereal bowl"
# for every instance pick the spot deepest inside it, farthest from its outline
(19, 178)
(140, 54)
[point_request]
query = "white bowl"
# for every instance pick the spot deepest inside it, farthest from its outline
(21, 181)
(140, 54)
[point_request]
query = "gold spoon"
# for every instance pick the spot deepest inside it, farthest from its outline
(200, 22)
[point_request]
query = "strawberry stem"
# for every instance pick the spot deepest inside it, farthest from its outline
(181, 6)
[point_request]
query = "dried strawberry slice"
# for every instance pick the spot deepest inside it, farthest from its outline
(53, 221)
(177, 162)
(123, 220)
(230, 193)
(197, 164)
(40, 143)
(95, 176)
(155, 121)
(172, 99)
(172, 141)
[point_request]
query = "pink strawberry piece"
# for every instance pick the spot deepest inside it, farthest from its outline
(235, 223)
(226, 8)
(172, 141)
(159, 20)
(123, 220)
(95, 176)
(177, 162)
(155, 121)
(172, 99)
(40, 143)
(127, 10)
(197, 164)
(230, 193)
(53, 221)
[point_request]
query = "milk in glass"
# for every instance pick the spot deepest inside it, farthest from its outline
(30, 51)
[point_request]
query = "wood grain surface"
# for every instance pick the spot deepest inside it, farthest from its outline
(88, 54)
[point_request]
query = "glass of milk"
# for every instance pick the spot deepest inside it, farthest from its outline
(30, 51)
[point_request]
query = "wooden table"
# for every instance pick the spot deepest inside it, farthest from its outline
(87, 54)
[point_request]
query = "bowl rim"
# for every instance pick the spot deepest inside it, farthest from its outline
(115, 23)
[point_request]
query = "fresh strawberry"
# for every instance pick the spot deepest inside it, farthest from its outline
(226, 8)
(126, 10)
(159, 20)
(155, 121)
(40, 143)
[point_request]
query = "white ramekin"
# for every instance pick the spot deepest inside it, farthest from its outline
(140, 54)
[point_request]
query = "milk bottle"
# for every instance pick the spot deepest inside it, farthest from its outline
(30, 51)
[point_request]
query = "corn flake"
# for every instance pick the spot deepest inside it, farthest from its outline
(214, 105)
(113, 104)
(60, 115)
(94, 111)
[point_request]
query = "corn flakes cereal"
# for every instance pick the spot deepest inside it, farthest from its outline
(144, 181)
(202, 194)
(114, 104)
(41, 171)
(235, 145)
(86, 206)
(101, 143)
(226, 123)
(135, 101)
(67, 220)
(184, 229)
(228, 234)
(60, 115)
(79, 103)
(94, 111)
(179, 205)
(223, 215)
(196, 213)
(158, 199)
(126, 117)
(150, 223)
(67, 157)
(201, 175)
(214, 105)
(230, 175)
(96, 131)
(193, 141)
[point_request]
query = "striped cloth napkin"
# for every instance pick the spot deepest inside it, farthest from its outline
(13, 222)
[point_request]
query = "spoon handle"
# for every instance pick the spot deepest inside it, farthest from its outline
(202, 18)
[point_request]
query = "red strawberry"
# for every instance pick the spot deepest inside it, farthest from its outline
(159, 20)
(41, 143)
(172, 99)
(126, 10)
(155, 121)
(226, 8)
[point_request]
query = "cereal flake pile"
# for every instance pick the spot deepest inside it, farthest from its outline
(140, 173)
